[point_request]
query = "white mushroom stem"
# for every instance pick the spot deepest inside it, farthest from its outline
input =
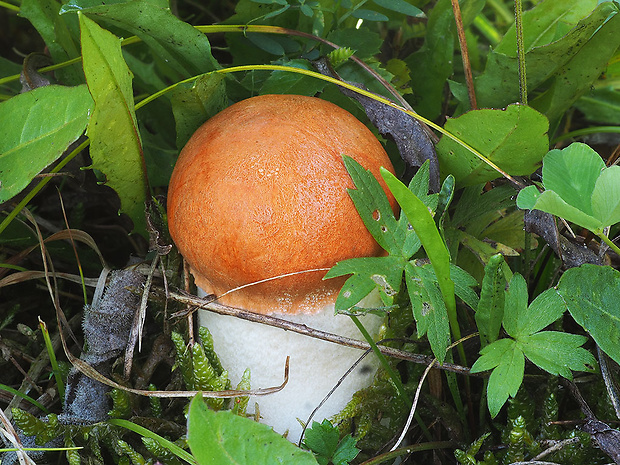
(316, 366)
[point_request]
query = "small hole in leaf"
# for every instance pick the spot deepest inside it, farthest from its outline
(376, 215)
(383, 229)
(409, 227)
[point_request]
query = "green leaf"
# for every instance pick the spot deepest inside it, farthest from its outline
(515, 305)
(365, 42)
(498, 135)
(373, 207)
(578, 188)
(36, 127)
(572, 173)
(592, 294)
(549, 46)
(185, 49)
(557, 353)
(490, 310)
(424, 226)
(116, 147)
(56, 31)
(282, 82)
(369, 15)
(575, 77)
(223, 438)
(193, 104)
(433, 62)
(369, 273)
(508, 364)
(400, 6)
(544, 310)
(324, 440)
(606, 196)
(429, 309)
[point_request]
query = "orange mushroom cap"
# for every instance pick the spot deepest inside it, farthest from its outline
(260, 191)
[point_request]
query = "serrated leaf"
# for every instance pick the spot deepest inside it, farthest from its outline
(223, 438)
(546, 308)
(557, 353)
(491, 304)
(508, 364)
(369, 273)
(505, 380)
(373, 207)
(592, 294)
(36, 127)
(322, 439)
(498, 135)
(116, 147)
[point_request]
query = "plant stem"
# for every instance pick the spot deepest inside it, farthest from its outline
(521, 51)
(460, 29)
(609, 242)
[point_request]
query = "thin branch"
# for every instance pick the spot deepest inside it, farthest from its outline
(210, 304)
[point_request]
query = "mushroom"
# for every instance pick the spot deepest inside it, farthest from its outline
(258, 206)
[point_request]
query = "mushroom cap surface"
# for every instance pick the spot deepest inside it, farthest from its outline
(260, 191)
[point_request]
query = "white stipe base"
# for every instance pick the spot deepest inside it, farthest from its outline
(315, 365)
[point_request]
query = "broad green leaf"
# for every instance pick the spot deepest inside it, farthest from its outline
(115, 148)
(578, 188)
(575, 77)
(491, 305)
(572, 173)
(592, 294)
(546, 23)
(515, 139)
(429, 309)
(57, 34)
(36, 127)
(186, 50)
(548, 201)
(424, 226)
(193, 104)
(499, 84)
(606, 196)
(557, 353)
(374, 208)
(223, 438)
(515, 304)
(369, 273)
